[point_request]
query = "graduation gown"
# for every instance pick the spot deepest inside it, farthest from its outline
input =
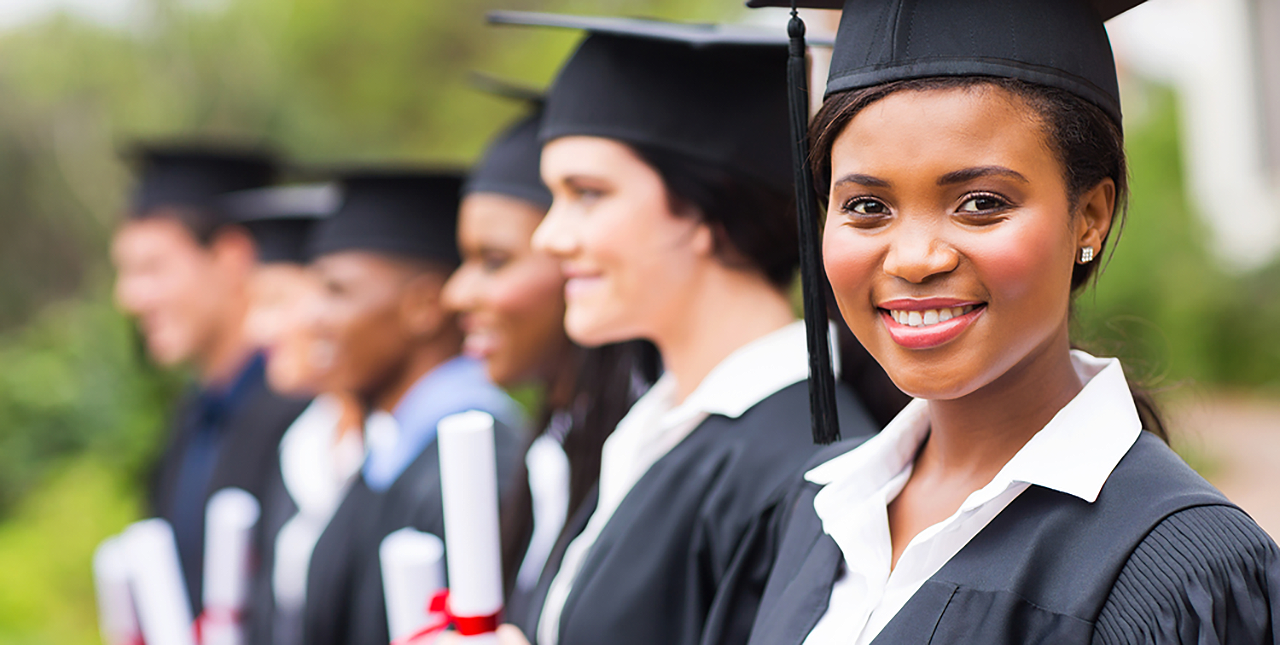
(525, 607)
(246, 458)
(685, 557)
(277, 508)
(345, 600)
(1160, 557)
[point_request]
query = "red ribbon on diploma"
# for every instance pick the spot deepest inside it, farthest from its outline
(438, 608)
(214, 615)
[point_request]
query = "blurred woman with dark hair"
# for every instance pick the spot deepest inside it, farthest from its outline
(510, 300)
(665, 150)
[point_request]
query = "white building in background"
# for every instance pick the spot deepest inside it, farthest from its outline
(1223, 59)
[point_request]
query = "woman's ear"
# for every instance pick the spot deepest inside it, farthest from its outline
(1094, 216)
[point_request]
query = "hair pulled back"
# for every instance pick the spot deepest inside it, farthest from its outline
(754, 223)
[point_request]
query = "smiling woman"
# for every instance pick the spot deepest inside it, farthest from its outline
(973, 172)
(665, 151)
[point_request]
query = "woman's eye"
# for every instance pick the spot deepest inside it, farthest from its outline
(863, 206)
(982, 204)
(492, 263)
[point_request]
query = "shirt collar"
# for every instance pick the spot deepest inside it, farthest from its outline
(394, 441)
(1074, 453)
(749, 375)
(216, 403)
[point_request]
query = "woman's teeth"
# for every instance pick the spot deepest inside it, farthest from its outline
(928, 316)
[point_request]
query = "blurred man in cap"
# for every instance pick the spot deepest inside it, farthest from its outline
(183, 268)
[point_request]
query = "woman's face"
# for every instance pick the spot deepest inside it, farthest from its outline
(630, 261)
(510, 297)
(282, 303)
(950, 238)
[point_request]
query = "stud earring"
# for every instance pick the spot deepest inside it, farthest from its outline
(1086, 255)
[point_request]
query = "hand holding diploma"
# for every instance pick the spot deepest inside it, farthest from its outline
(164, 612)
(412, 573)
(507, 635)
(469, 481)
(118, 618)
(230, 519)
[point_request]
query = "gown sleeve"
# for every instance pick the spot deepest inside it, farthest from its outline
(1206, 575)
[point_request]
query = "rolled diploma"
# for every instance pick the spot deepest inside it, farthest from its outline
(469, 483)
(117, 617)
(412, 572)
(230, 519)
(164, 612)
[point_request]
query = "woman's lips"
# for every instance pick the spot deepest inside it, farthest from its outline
(577, 286)
(927, 324)
(479, 344)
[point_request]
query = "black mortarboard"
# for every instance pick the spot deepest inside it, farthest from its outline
(411, 213)
(281, 219)
(1058, 43)
(194, 176)
(709, 92)
(510, 165)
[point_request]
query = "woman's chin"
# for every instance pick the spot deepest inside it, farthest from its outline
(591, 332)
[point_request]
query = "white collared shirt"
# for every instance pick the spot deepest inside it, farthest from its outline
(317, 466)
(655, 425)
(1074, 454)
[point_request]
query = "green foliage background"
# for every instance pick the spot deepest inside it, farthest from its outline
(81, 414)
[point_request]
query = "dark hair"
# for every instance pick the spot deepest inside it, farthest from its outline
(754, 223)
(604, 382)
(1087, 142)
(203, 223)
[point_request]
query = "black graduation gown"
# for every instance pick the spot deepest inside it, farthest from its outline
(277, 508)
(345, 599)
(1160, 557)
(525, 607)
(685, 557)
(248, 457)
(326, 618)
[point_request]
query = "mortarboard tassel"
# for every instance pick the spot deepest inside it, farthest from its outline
(813, 277)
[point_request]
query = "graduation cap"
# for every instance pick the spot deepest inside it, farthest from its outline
(194, 176)
(510, 165)
(713, 93)
(404, 212)
(1058, 43)
(708, 92)
(282, 219)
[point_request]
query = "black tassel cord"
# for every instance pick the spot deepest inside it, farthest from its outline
(822, 382)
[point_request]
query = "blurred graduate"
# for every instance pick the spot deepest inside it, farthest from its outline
(511, 301)
(323, 449)
(382, 260)
(972, 161)
(666, 153)
(183, 271)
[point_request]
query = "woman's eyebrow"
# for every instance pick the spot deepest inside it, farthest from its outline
(863, 180)
(969, 174)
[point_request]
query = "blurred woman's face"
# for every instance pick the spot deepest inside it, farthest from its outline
(283, 300)
(950, 239)
(510, 298)
(631, 262)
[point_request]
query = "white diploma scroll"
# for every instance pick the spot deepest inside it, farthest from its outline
(159, 593)
(412, 573)
(117, 616)
(469, 481)
(230, 519)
